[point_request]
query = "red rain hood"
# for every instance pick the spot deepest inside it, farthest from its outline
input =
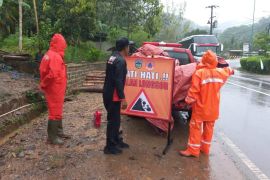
(209, 60)
(58, 44)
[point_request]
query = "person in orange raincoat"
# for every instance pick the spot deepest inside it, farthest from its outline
(53, 81)
(204, 96)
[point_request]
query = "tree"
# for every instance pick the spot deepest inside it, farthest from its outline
(234, 37)
(174, 26)
(262, 41)
(127, 15)
(9, 17)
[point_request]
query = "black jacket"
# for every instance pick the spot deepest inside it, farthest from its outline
(116, 71)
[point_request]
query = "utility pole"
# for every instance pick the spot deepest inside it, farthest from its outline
(252, 31)
(212, 17)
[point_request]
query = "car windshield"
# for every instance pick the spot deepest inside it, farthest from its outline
(202, 49)
(181, 56)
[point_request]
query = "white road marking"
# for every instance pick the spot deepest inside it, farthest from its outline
(248, 88)
(252, 167)
(249, 79)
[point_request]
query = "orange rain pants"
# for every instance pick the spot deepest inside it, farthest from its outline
(201, 133)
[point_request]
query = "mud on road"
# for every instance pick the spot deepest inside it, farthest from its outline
(25, 155)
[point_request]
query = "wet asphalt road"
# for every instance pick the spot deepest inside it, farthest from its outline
(245, 121)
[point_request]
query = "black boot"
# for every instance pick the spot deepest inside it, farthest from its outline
(111, 148)
(120, 143)
(60, 131)
(52, 133)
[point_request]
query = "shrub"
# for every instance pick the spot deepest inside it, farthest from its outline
(253, 64)
(11, 44)
(84, 52)
(140, 36)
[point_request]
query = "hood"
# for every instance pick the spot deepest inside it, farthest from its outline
(209, 60)
(58, 44)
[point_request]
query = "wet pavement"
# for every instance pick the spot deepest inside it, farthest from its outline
(245, 119)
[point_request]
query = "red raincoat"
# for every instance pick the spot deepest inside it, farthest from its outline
(53, 76)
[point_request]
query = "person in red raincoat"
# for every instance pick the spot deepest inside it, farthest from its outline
(53, 81)
(204, 96)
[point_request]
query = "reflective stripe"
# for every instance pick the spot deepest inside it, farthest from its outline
(205, 142)
(212, 80)
(194, 145)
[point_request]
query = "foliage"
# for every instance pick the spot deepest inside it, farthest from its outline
(174, 26)
(253, 64)
(262, 41)
(141, 36)
(115, 33)
(45, 33)
(130, 14)
(234, 37)
(10, 44)
(196, 32)
(79, 21)
(84, 52)
(9, 16)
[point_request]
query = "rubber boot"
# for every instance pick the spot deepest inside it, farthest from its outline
(52, 133)
(120, 142)
(111, 148)
(61, 133)
(187, 153)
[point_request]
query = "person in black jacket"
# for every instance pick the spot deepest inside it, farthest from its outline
(114, 96)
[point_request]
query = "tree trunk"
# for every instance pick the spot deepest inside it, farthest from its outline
(20, 25)
(36, 15)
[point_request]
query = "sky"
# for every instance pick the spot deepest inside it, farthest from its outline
(229, 12)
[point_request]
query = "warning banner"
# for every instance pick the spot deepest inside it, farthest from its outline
(149, 86)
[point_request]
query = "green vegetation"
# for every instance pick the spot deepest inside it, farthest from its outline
(84, 52)
(262, 42)
(82, 22)
(259, 64)
(234, 37)
(253, 64)
(86, 22)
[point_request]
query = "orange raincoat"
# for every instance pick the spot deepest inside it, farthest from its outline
(53, 76)
(204, 95)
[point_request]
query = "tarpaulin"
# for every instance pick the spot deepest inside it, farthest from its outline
(150, 50)
(182, 81)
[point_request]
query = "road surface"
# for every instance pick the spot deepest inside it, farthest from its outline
(244, 122)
